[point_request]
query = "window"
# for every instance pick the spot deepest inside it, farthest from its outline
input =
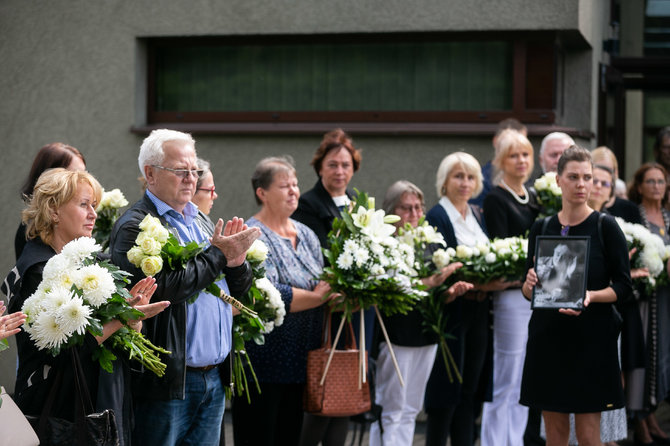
(350, 78)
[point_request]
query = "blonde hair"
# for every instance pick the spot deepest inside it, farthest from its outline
(54, 188)
(469, 164)
(506, 141)
(604, 153)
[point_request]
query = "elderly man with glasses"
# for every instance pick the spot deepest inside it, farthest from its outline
(186, 405)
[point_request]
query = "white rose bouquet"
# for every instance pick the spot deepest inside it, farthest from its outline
(155, 246)
(78, 295)
(498, 259)
(549, 195)
(368, 265)
(265, 300)
(108, 210)
(651, 253)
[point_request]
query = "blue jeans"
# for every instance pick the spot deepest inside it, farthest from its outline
(195, 420)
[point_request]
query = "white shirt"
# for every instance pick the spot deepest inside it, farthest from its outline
(467, 230)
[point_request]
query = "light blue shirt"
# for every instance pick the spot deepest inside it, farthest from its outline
(208, 319)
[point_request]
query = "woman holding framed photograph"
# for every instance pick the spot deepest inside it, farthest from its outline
(571, 363)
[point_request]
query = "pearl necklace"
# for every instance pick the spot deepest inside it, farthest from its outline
(514, 194)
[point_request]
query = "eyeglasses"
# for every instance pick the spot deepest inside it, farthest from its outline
(603, 183)
(210, 190)
(416, 208)
(182, 173)
(652, 182)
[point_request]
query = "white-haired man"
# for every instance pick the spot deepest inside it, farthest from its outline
(186, 405)
(552, 147)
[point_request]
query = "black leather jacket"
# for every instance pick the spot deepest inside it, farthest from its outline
(168, 329)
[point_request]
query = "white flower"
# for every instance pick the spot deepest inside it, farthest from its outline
(34, 305)
(441, 258)
(361, 255)
(504, 252)
(96, 283)
(135, 255)
(80, 249)
(490, 258)
(258, 251)
(345, 260)
(463, 252)
(391, 218)
(499, 244)
(451, 251)
(72, 317)
(46, 332)
(275, 301)
(377, 270)
(483, 248)
(55, 298)
(432, 236)
(351, 246)
(555, 190)
(540, 184)
(149, 245)
(54, 267)
(375, 248)
(372, 225)
(113, 199)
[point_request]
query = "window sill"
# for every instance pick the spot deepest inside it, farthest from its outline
(354, 128)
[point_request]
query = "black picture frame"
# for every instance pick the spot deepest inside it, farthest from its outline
(561, 265)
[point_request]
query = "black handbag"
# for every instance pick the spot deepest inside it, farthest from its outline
(89, 428)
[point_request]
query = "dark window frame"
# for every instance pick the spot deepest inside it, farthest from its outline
(529, 81)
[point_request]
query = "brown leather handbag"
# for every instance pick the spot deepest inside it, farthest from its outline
(341, 393)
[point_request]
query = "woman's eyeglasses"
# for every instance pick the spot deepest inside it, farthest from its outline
(603, 183)
(652, 182)
(210, 190)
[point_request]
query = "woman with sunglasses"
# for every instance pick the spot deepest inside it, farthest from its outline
(647, 387)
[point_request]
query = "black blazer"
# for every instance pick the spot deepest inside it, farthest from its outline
(317, 210)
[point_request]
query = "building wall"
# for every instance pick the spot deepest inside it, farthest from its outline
(73, 72)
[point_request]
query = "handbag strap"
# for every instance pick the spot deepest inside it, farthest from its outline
(327, 343)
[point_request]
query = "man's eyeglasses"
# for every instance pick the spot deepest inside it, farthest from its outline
(405, 208)
(182, 173)
(651, 182)
(603, 183)
(210, 190)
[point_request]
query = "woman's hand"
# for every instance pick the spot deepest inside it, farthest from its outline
(458, 289)
(529, 284)
(496, 285)
(571, 312)
(142, 293)
(438, 278)
(9, 324)
(636, 273)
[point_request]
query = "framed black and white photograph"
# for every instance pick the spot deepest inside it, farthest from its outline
(561, 268)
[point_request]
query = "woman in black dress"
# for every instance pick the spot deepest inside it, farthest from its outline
(571, 361)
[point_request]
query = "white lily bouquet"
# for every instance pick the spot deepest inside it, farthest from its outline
(651, 253)
(432, 306)
(368, 265)
(155, 246)
(549, 195)
(265, 300)
(78, 295)
(498, 259)
(108, 210)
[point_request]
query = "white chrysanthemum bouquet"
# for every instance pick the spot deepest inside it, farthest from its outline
(108, 210)
(78, 295)
(549, 195)
(368, 265)
(266, 302)
(651, 253)
(498, 259)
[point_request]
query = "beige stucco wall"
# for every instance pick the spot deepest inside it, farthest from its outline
(72, 72)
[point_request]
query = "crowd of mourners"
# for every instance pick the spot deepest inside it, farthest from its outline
(529, 377)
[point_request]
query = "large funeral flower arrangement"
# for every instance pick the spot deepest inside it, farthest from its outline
(549, 195)
(650, 253)
(367, 264)
(79, 294)
(108, 210)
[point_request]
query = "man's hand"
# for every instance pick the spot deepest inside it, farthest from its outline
(235, 240)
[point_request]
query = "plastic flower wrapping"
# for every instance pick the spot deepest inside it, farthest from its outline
(367, 264)
(497, 259)
(263, 299)
(79, 294)
(651, 253)
(108, 210)
(549, 195)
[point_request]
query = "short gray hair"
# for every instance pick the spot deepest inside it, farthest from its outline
(267, 168)
(151, 150)
(469, 163)
(205, 167)
(559, 136)
(395, 193)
